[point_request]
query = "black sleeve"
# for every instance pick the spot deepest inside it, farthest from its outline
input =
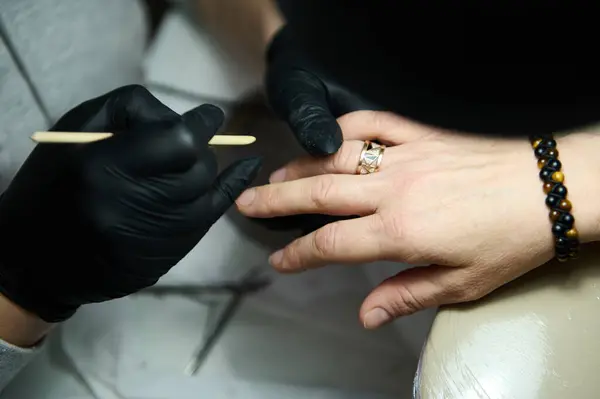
(494, 67)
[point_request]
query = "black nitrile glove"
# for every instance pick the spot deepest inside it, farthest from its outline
(305, 99)
(89, 223)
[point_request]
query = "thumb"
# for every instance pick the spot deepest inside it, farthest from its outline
(411, 291)
(301, 99)
(170, 146)
(203, 122)
(134, 105)
(227, 187)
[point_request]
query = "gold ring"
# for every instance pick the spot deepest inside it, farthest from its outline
(370, 158)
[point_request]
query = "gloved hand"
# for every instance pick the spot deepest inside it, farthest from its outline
(89, 223)
(305, 99)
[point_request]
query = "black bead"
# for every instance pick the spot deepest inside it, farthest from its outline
(562, 242)
(546, 174)
(553, 164)
(573, 244)
(574, 248)
(539, 152)
(574, 254)
(566, 219)
(561, 251)
(552, 200)
(566, 248)
(559, 190)
(559, 230)
(548, 143)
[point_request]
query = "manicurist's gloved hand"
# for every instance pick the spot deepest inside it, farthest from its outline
(89, 223)
(305, 99)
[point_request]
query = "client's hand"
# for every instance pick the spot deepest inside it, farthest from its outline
(89, 223)
(472, 207)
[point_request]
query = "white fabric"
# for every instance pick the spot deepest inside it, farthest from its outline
(12, 360)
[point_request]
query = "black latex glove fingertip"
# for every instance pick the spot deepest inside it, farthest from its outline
(322, 137)
(206, 117)
(237, 177)
(249, 168)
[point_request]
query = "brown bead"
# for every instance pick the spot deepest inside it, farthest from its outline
(565, 205)
(542, 162)
(573, 233)
(558, 176)
(554, 215)
(553, 153)
(536, 143)
(548, 187)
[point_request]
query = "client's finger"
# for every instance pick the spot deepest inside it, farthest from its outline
(414, 290)
(341, 195)
(348, 241)
(344, 161)
(386, 127)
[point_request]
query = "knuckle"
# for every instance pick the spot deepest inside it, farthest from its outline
(404, 238)
(379, 227)
(406, 302)
(322, 191)
(393, 227)
(183, 136)
(405, 227)
(409, 181)
(324, 240)
(377, 119)
(269, 197)
(381, 120)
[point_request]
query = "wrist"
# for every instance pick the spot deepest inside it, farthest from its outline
(578, 153)
(20, 327)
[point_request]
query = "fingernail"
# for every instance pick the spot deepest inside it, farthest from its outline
(247, 197)
(276, 258)
(376, 318)
(277, 176)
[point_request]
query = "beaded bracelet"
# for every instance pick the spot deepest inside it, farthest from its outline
(566, 237)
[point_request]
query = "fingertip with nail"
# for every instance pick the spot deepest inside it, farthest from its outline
(247, 197)
(278, 176)
(376, 318)
(276, 258)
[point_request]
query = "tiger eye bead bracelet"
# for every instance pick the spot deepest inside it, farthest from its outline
(566, 237)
